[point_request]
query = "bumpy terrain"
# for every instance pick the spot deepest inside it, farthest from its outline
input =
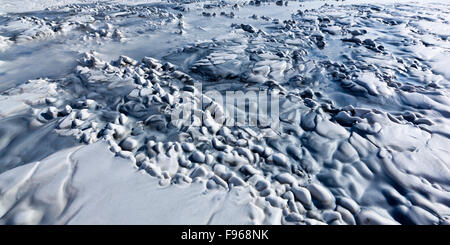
(363, 123)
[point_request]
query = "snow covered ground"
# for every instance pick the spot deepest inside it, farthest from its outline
(90, 91)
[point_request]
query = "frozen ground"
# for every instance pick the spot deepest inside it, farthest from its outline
(87, 91)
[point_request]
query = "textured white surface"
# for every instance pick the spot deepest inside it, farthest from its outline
(364, 110)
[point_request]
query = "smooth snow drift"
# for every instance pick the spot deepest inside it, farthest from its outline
(357, 132)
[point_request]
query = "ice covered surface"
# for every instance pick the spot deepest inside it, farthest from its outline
(363, 124)
(65, 189)
(18, 6)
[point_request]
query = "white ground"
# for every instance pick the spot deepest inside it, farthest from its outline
(363, 136)
(72, 187)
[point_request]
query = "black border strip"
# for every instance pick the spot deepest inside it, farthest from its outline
(173, 233)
